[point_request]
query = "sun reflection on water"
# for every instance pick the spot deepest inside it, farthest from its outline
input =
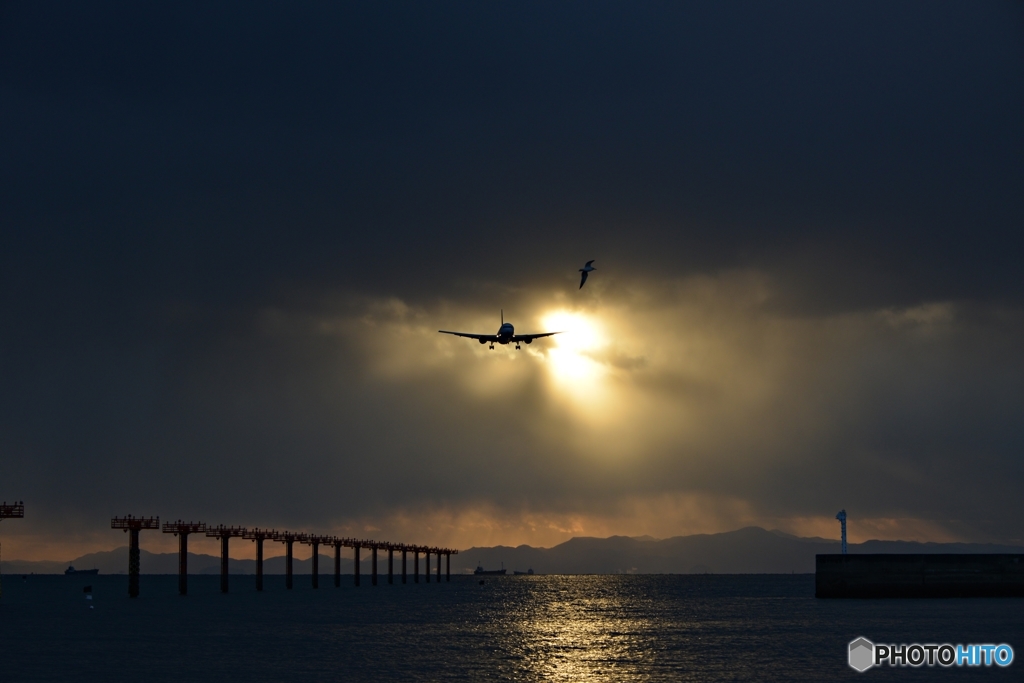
(569, 634)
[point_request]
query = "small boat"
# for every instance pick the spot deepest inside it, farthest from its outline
(528, 572)
(80, 572)
(480, 571)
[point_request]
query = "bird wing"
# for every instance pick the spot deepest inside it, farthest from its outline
(589, 262)
(485, 337)
(531, 337)
(583, 279)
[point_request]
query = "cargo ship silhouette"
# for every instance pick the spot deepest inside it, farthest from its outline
(71, 570)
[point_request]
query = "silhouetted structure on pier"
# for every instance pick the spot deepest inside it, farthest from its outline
(314, 541)
(338, 543)
(355, 550)
(373, 565)
(224, 533)
(288, 538)
(133, 525)
(14, 510)
(259, 535)
(182, 530)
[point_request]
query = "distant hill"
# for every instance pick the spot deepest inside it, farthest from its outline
(746, 551)
(751, 550)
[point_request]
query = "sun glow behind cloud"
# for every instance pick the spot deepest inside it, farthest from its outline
(579, 336)
(574, 368)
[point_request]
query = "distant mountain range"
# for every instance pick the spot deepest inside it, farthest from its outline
(746, 551)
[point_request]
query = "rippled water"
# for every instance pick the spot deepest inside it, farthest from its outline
(538, 628)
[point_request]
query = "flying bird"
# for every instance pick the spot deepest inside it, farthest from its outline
(585, 270)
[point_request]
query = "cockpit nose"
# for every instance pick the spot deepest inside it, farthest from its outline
(506, 328)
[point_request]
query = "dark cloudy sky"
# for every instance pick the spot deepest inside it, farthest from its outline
(229, 233)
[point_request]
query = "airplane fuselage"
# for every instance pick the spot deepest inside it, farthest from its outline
(505, 333)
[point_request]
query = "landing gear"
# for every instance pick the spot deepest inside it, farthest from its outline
(492, 347)
(517, 347)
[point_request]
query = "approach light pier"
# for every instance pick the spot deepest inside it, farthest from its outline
(259, 535)
(315, 541)
(224, 533)
(288, 538)
(133, 525)
(182, 529)
(15, 510)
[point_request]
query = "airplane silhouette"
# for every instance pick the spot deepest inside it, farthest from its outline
(506, 335)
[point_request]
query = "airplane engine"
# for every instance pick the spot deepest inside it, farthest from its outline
(483, 341)
(529, 341)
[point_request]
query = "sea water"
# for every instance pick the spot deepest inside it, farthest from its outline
(522, 628)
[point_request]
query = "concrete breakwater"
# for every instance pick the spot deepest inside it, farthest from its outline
(919, 576)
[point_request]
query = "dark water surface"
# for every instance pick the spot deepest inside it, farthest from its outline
(550, 628)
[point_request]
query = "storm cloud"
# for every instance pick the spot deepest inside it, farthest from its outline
(229, 233)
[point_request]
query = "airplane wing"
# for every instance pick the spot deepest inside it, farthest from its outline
(483, 338)
(530, 337)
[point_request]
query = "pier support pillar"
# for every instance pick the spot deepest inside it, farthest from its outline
(426, 566)
(182, 530)
(404, 553)
(133, 563)
(373, 576)
(416, 566)
(132, 525)
(357, 565)
(288, 564)
(337, 565)
(438, 568)
(391, 565)
(224, 564)
(316, 564)
(447, 566)
(182, 564)
(259, 564)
